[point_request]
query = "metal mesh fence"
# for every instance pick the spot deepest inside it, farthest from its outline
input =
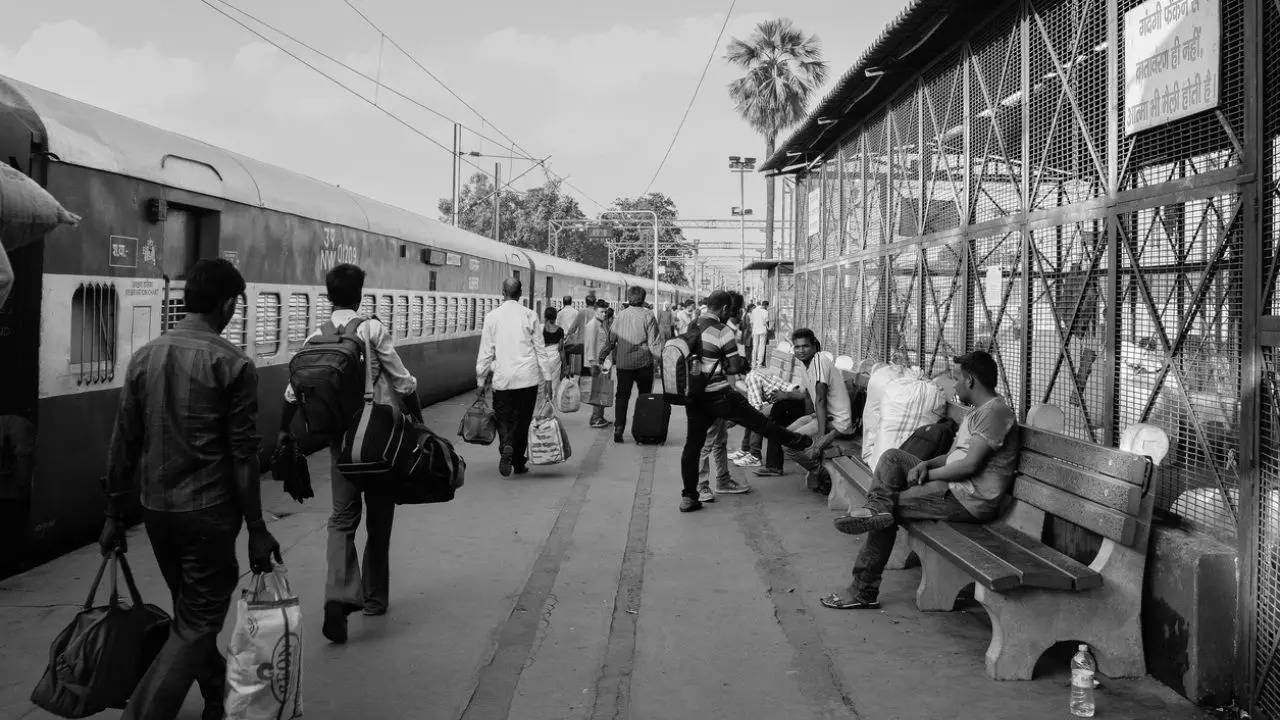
(853, 230)
(995, 121)
(995, 307)
(942, 155)
(943, 289)
(831, 202)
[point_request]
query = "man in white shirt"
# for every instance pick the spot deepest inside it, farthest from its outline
(515, 360)
(759, 322)
(346, 590)
(567, 318)
(594, 336)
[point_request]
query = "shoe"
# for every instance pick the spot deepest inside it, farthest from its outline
(800, 442)
(504, 464)
(688, 504)
(617, 435)
(704, 493)
(835, 602)
(737, 454)
(748, 460)
(767, 472)
(863, 520)
(522, 470)
(372, 609)
(335, 622)
(732, 487)
(214, 712)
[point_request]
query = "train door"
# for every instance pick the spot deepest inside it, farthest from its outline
(187, 238)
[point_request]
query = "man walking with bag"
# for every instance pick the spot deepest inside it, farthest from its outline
(186, 442)
(636, 340)
(515, 360)
(567, 319)
(349, 586)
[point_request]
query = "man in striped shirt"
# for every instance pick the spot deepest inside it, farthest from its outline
(721, 360)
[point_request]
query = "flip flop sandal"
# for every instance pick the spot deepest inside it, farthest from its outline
(834, 602)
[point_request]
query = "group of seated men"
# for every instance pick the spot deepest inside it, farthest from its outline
(967, 483)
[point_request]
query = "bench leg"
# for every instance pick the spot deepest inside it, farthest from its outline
(842, 496)
(900, 558)
(940, 581)
(1028, 622)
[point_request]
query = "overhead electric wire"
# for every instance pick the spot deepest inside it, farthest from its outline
(689, 107)
(355, 71)
(459, 98)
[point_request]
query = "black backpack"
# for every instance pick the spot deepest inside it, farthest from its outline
(327, 376)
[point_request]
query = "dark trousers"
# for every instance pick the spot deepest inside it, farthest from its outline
(514, 411)
(730, 405)
(643, 379)
(196, 552)
(890, 493)
(346, 580)
(784, 412)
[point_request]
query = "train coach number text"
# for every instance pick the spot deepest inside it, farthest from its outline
(333, 252)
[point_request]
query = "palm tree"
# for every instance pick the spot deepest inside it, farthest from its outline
(783, 69)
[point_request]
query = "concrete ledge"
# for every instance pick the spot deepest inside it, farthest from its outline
(1189, 614)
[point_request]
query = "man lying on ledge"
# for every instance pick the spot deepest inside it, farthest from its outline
(965, 485)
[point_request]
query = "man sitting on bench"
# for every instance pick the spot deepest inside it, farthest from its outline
(965, 485)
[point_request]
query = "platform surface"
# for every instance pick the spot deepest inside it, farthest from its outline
(579, 592)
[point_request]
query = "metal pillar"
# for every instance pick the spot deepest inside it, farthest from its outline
(497, 202)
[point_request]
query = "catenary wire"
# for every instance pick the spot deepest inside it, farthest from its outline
(692, 99)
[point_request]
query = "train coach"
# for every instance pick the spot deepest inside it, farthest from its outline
(154, 202)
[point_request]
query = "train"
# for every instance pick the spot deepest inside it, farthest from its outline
(152, 203)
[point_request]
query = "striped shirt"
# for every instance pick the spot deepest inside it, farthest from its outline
(188, 413)
(635, 337)
(719, 350)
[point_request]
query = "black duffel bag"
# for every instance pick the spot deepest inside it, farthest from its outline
(97, 660)
(430, 473)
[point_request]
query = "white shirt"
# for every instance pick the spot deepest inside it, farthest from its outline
(822, 370)
(565, 319)
(759, 321)
(511, 347)
(390, 366)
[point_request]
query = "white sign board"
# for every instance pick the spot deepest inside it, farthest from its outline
(1172, 50)
(815, 211)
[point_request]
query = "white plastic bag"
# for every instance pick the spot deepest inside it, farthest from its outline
(908, 403)
(568, 397)
(264, 657)
(876, 384)
(548, 441)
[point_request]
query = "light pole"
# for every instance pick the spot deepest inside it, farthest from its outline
(742, 166)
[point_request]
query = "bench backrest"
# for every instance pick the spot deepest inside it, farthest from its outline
(1100, 489)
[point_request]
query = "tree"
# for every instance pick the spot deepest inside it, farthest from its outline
(783, 69)
(640, 262)
(523, 216)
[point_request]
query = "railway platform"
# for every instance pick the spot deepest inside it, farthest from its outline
(579, 592)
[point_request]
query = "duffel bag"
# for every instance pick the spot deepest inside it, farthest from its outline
(478, 426)
(430, 473)
(375, 440)
(97, 660)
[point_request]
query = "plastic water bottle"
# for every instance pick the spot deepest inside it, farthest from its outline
(1082, 671)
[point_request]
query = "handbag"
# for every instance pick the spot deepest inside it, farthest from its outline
(479, 426)
(568, 397)
(264, 656)
(601, 390)
(376, 437)
(96, 661)
(548, 440)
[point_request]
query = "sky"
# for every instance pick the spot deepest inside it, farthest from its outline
(598, 86)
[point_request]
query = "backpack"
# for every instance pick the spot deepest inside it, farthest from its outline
(930, 441)
(682, 376)
(327, 376)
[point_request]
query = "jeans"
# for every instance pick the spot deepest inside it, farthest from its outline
(784, 412)
(196, 552)
(890, 493)
(345, 582)
(514, 411)
(702, 412)
(643, 379)
(715, 452)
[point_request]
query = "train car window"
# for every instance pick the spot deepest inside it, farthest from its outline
(475, 311)
(430, 312)
(431, 281)
(402, 316)
(384, 311)
(93, 333)
(515, 274)
(368, 306)
(299, 319)
(452, 323)
(550, 292)
(235, 330)
(415, 316)
(266, 325)
(175, 308)
(324, 309)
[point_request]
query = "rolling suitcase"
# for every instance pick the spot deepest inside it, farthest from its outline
(649, 424)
